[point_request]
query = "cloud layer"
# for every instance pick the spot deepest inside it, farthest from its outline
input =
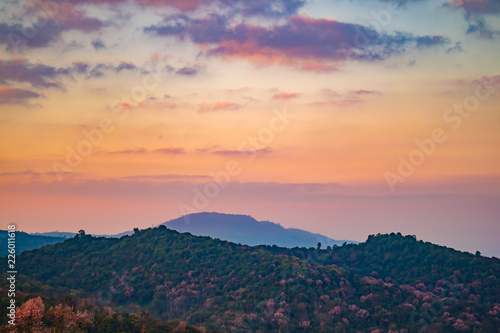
(47, 21)
(301, 42)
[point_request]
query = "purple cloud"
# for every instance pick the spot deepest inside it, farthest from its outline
(476, 6)
(81, 67)
(98, 44)
(38, 75)
(100, 69)
(16, 96)
(125, 66)
(65, 17)
(187, 71)
(301, 42)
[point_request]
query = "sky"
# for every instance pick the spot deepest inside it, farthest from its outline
(340, 117)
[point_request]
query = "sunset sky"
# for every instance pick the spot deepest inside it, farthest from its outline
(342, 117)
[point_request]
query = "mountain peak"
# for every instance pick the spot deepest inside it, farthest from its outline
(245, 229)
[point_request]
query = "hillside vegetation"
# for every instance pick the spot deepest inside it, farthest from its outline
(389, 283)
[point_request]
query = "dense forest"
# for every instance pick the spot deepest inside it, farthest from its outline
(390, 283)
(65, 315)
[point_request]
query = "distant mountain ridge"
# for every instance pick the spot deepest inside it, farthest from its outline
(62, 234)
(236, 228)
(26, 241)
(246, 230)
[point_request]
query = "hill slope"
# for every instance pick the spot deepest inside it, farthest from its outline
(226, 286)
(406, 261)
(246, 230)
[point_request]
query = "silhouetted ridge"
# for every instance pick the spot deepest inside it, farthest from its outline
(245, 229)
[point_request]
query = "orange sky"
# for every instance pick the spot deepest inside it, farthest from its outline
(114, 115)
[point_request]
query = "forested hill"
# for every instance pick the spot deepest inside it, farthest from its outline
(405, 260)
(391, 282)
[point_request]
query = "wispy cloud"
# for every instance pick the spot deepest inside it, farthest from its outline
(164, 177)
(350, 98)
(476, 6)
(19, 70)
(38, 75)
(365, 92)
(170, 150)
(474, 12)
(187, 71)
(339, 102)
(16, 96)
(31, 176)
(142, 150)
(227, 152)
(478, 27)
(218, 106)
(455, 49)
(284, 95)
(98, 44)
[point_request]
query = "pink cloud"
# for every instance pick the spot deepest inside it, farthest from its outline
(69, 16)
(270, 56)
(218, 106)
(284, 95)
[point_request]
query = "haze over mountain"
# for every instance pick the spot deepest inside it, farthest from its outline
(242, 229)
(26, 241)
(61, 234)
(65, 235)
(246, 230)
